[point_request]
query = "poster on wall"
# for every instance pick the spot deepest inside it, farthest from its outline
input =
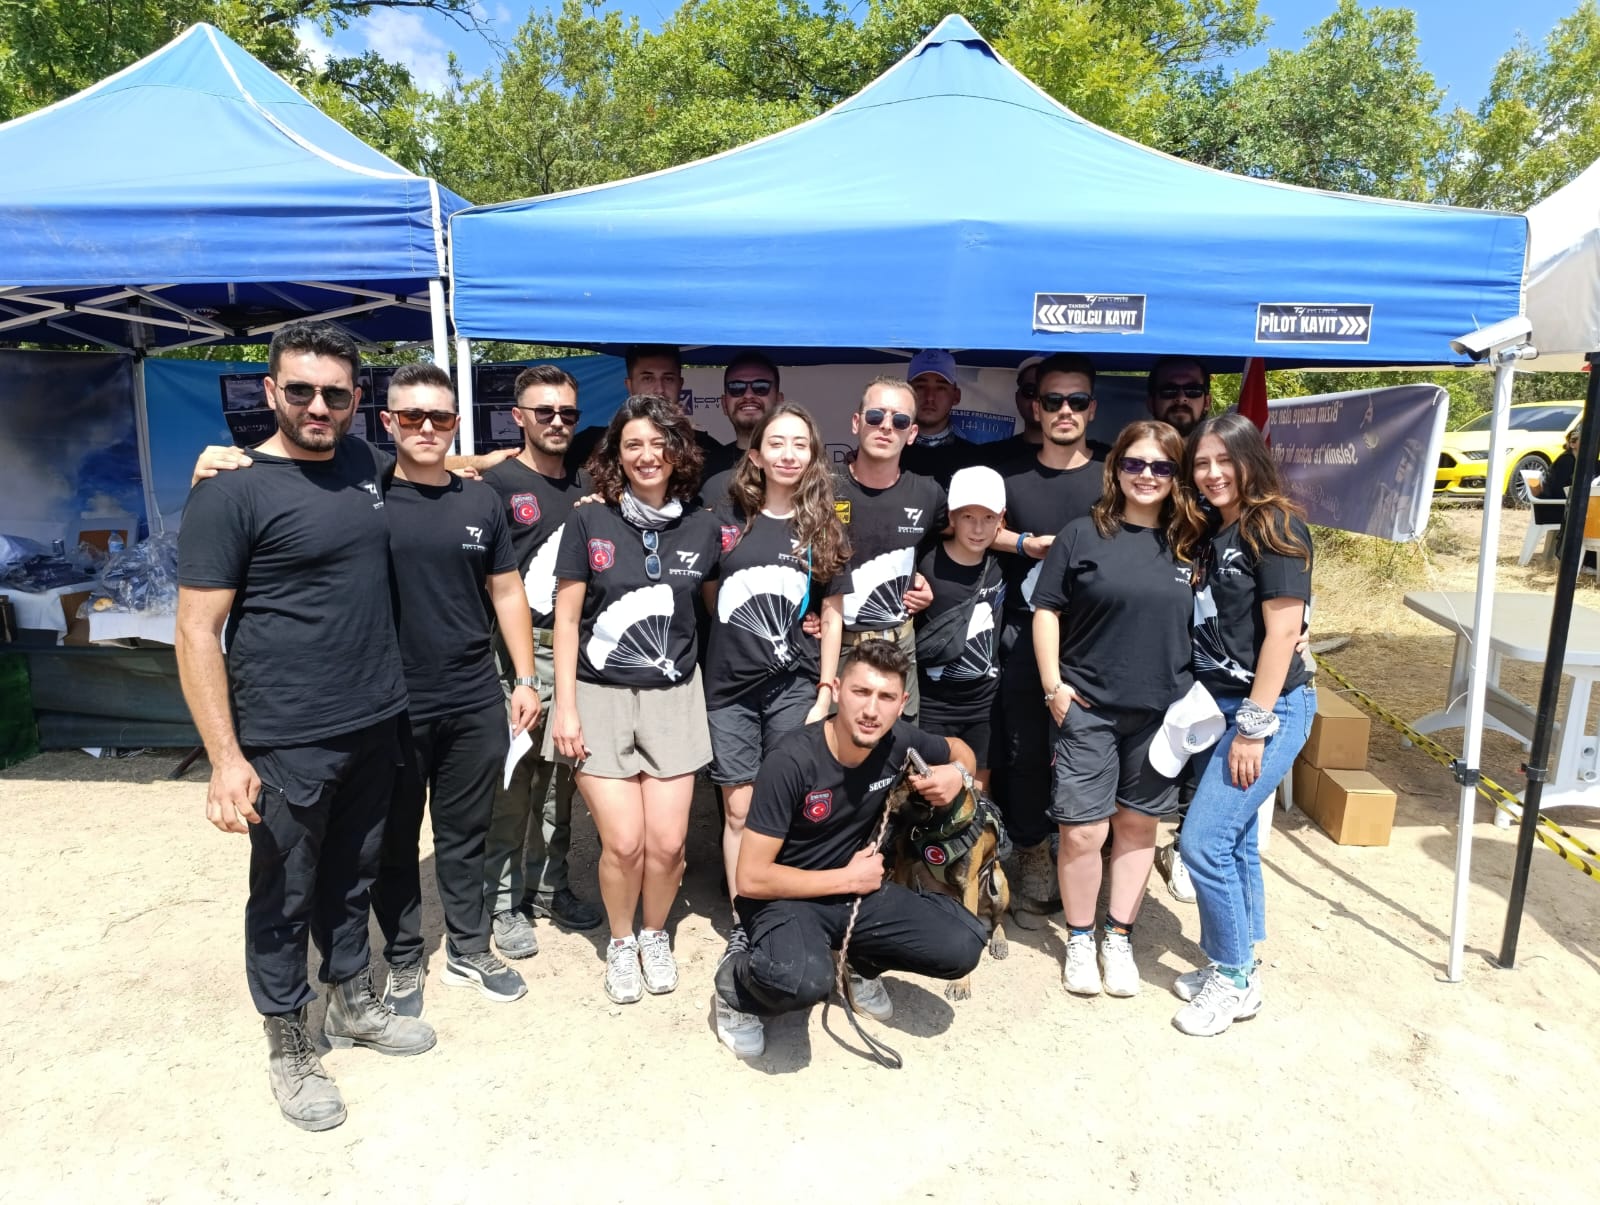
(69, 451)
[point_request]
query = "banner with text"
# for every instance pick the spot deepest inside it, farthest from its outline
(1363, 461)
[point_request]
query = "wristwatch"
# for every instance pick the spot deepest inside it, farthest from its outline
(534, 682)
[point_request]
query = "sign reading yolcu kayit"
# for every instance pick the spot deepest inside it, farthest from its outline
(1301, 322)
(1081, 313)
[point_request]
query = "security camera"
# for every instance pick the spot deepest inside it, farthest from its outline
(1484, 342)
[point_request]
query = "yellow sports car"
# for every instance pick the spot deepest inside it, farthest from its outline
(1537, 431)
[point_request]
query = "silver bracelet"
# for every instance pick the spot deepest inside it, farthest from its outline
(1254, 721)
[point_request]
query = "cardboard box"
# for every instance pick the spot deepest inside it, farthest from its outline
(1303, 782)
(101, 537)
(77, 629)
(1339, 734)
(1351, 806)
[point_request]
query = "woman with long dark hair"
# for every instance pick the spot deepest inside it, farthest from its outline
(1111, 616)
(1253, 591)
(629, 713)
(765, 677)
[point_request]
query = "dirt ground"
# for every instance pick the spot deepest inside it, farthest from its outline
(132, 1067)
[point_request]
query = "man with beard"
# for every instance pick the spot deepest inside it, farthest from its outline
(806, 856)
(1044, 493)
(1179, 392)
(300, 718)
(525, 864)
(749, 391)
(937, 451)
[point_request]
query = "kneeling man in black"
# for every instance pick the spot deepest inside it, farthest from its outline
(806, 855)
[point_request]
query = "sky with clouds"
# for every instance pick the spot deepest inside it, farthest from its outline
(1461, 39)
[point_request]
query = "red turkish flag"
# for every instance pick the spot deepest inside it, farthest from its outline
(1253, 395)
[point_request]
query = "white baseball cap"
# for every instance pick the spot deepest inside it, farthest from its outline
(977, 485)
(1192, 724)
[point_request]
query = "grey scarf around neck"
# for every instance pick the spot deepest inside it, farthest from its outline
(643, 515)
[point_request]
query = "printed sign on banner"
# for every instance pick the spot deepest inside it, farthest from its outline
(1293, 322)
(1079, 313)
(1363, 461)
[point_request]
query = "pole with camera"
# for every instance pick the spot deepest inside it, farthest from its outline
(1537, 767)
(1502, 345)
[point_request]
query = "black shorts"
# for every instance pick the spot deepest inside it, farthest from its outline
(978, 734)
(1101, 761)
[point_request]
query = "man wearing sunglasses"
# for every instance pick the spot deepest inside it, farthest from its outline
(937, 451)
(455, 577)
(1026, 442)
(1179, 392)
(525, 864)
(301, 716)
(1044, 492)
(749, 392)
(892, 517)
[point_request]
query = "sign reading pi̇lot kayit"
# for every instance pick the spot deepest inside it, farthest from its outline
(1083, 313)
(1302, 322)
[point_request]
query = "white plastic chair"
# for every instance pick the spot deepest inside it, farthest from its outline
(1591, 525)
(1538, 533)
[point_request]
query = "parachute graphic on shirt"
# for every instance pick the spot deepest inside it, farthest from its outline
(633, 632)
(877, 589)
(764, 600)
(1209, 653)
(540, 581)
(977, 655)
(1030, 582)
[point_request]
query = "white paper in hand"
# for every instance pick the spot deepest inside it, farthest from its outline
(521, 742)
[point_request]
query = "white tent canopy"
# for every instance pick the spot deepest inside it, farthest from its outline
(1563, 280)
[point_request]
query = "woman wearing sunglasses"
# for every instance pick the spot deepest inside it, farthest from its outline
(1253, 578)
(1111, 615)
(629, 714)
(1563, 469)
(765, 677)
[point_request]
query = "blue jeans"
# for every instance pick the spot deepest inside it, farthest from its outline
(1219, 841)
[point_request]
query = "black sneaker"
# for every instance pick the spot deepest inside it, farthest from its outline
(566, 909)
(403, 992)
(485, 972)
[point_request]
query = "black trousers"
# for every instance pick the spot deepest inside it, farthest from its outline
(790, 962)
(1024, 797)
(312, 861)
(452, 765)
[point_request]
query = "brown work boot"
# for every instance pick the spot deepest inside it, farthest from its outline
(1037, 888)
(356, 1017)
(306, 1096)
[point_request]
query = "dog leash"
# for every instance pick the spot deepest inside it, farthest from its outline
(880, 1052)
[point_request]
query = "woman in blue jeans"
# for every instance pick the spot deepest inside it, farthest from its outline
(1252, 595)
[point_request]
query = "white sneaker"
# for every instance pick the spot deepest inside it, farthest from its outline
(1080, 976)
(623, 984)
(1220, 1003)
(660, 967)
(871, 997)
(743, 1033)
(1187, 986)
(1117, 965)
(1169, 861)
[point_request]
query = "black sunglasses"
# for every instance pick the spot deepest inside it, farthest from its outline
(737, 388)
(1051, 402)
(874, 418)
(1134, 467)
(1169, 393)
(547, 414)
(652, 559)
(412, 419)
(334, 397)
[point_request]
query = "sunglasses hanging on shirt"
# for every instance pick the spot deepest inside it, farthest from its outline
(652, 551)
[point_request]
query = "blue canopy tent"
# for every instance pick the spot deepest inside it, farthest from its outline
(951, 203)
(195, 197)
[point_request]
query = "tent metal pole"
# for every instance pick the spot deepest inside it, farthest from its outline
(1467, 768)
(441, 334)
(1538, 763)
(465, 429)
(141, 419)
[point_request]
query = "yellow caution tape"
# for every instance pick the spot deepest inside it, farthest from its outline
(1551, 834)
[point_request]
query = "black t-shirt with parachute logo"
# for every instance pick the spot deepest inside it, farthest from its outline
(764, 594)
(823, 812)
(536, 508)
(888, 528)
(634, 631)
(1229, 627)
(960, 690)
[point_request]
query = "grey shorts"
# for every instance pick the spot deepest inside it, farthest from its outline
(657, 733)
(744, 732)
(1101, 762)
